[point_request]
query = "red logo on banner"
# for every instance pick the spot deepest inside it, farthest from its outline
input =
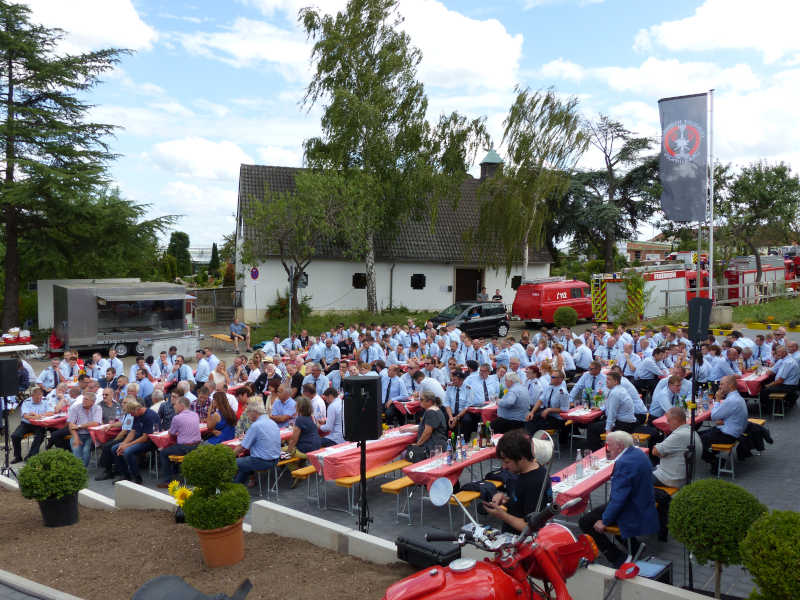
(682, 140)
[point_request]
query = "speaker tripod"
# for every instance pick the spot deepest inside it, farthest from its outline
(7, 470)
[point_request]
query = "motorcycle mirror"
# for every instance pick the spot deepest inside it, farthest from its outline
(440, 491)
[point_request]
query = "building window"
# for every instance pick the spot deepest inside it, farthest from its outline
(360, 281)
(418, 281)
(637, 255)
(516, 281)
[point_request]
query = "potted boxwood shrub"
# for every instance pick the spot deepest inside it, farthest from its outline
(216, 506)
(710, 517)
(771, 552)
(54, 478)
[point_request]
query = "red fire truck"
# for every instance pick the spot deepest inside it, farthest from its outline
(741, 277)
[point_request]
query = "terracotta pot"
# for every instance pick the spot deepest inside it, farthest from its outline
(223, 546)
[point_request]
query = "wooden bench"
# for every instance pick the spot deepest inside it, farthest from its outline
(760, 422)
(305, 474)
(778, 397)
(725, 455)
(467, 499)
(277, 470)
(640, 438)
(401, 485)
(350, 482)
(222, 339)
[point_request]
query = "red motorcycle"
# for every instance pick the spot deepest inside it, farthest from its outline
(549, 553)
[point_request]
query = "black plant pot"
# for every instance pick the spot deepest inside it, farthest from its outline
(60, 512)
(179, 516)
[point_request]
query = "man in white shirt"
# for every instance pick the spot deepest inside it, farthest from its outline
(334, 420)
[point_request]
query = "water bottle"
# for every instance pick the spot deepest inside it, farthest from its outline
(462, 448)
(117, 414)
(579, 465)
(449, 453)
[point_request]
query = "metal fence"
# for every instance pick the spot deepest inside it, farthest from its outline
(215, 305)
(746, 293)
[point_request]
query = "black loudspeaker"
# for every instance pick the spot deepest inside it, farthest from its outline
(9, 385)
(699, 318)
(362, 400)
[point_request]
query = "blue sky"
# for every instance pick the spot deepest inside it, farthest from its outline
(213, 84)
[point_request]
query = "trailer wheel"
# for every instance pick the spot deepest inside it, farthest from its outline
(138, 349)
(122, 350)
(502, 331)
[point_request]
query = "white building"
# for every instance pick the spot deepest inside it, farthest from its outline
(419, 269)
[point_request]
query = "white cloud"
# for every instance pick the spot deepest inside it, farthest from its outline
(200, 158)
(248, 43)
(768, 27)
(171, 107)
(280, 156)
(529, 4)
(93, 24)
(656, 77)
(457, 51)
(207, 211)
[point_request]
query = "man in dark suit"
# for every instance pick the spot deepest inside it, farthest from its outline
(631, 504)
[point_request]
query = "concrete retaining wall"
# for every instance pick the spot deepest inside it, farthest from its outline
(86, 498)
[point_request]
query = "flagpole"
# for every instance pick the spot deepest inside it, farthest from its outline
(711, 195)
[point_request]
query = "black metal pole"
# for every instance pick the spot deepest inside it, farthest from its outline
(7, 469)
(692, 450)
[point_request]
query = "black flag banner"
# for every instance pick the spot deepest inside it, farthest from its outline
(683, 161)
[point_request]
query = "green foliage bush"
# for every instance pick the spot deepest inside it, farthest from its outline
(280, 308)
(211, 508)
(771, 552)
(209, 466)
(51, 475)
(229, 277)
(215, 501)
(565, 316)
(710, 517)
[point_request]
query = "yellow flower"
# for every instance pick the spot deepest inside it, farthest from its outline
(173, 486)
(181, 495)
(770, 318)
(385, 426)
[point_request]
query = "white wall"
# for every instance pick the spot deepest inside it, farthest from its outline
(331, 289)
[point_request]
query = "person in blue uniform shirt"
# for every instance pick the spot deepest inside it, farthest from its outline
(546, 411)
(672, 393)
(459, 400)
(731, 410)
(513, 407)
(317, 379)
(393, 390)
(590, 383)
(619, 413)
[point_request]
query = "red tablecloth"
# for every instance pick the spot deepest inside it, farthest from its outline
(428, 471)
(751, 384)
(699, 417)
(54, 422)
(592, 416)
(102, 433)
(488, 411)
(584, 487)
(411, 407)
(344, 460)
(286, 433)
(162, 439)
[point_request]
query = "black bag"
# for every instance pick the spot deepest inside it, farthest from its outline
(507, 477)
(416, 453)
(486, 489)
(421, 554)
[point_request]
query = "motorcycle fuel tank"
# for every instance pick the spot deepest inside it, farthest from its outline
(483, 581)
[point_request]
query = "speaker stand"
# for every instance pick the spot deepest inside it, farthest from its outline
(7, 470)
(363, 518)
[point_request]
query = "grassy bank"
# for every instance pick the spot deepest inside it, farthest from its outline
(316, 324)
(784, 310)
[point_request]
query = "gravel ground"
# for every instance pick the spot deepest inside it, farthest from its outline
(107, 556)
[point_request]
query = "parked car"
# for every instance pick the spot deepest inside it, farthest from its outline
(537, 300)
(476, 319)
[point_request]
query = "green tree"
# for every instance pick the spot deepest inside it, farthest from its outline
(763, 205)
(117, 241)
(544, 139)
(612, 202)
(167, 267)
(179, 248)
(213, 264)
(51, 153)
(377, 155)
(279, 213)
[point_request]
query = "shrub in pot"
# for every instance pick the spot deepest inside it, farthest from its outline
(771, 552)
(216, 506)
(565, 316)
(54, 478)
(710, 517)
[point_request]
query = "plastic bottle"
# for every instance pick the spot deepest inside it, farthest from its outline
(462, 447)
(579, 465)
(449, 452)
